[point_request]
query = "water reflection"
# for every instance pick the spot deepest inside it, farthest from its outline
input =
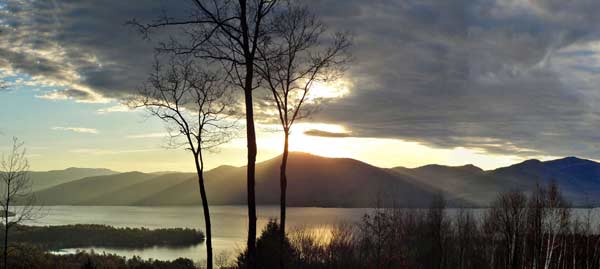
(229, 225)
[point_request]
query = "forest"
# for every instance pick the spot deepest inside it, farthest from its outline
(29, 257)
(94, 235)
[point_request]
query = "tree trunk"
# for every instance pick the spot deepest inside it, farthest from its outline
(5, 250)
(282, 202)
(6, 213)
(251, 141)
(249, 53)
(205, 208)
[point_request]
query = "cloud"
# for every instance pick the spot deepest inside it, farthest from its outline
(491, 75)
(76, 130)
(115, 108)
(79, 45)
(321, 133)
(502, 76)
(73, 94)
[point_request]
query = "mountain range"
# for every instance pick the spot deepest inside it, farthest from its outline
(320, 181)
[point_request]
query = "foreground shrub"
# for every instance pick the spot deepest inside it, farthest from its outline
(268, 250)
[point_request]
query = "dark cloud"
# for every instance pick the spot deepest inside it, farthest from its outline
(478, 74)
(505, 76)
(81, 43)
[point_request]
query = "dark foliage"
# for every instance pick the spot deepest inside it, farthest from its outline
(86, 235)
(517, 231)
(28, 257)
(268, 247)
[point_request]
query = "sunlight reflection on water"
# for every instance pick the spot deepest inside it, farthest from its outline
(229, 224)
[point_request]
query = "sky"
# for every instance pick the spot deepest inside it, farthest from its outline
(484, 82)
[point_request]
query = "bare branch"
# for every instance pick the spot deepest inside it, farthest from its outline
(17, 202)
(191, 101)
(298, 54)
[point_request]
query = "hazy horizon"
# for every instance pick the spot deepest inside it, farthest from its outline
(302, 152)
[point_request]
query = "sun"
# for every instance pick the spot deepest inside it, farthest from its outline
(328, 90)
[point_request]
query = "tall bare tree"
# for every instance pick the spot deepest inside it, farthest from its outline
(298, 54)
(192, 102)
(15, 190)
(228, 33)
(507, 217)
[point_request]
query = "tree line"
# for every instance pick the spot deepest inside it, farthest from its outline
(30, 257)
(94, 235)
(517, 231)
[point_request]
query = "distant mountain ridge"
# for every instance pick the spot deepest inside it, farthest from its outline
(46, 179)
(332, 182)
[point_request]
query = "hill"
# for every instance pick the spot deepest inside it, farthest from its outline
(88, 189)
(47, 179)
(333, 182)
(313, 181)
(579, 179)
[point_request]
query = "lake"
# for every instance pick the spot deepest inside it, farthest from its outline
(230, 224)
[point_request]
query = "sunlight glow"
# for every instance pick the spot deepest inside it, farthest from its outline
(328, 90)
(376, 151)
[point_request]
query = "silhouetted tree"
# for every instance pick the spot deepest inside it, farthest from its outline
(297, 55)
(15, 189)
(268, 248)
(437, 229)
(507, 218)
(228, 33)
(192, 101)
(88, 264)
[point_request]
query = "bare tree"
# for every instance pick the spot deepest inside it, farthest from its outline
(228, 33)
(192, 102)
(555, 222)
(507, 217)
(295, 57)
(15, 190)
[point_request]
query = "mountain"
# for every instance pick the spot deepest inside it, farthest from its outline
(468, 183)
(47, 179)
(134, 194)
(313, 181)
(578, 179)
(333, 182)
(88, 189)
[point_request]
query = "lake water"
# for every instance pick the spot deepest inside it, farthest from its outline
(229, 223)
